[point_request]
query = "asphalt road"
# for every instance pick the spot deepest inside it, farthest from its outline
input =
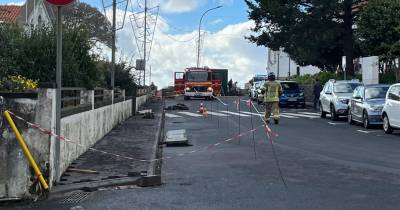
(326, 165)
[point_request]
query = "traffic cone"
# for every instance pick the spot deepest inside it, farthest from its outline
(201, 109)
(205, 112)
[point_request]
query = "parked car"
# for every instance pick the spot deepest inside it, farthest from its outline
(254, 89)
(366, 105)
(335, 97)
(292, 95)
(391, 109)
(258, 93)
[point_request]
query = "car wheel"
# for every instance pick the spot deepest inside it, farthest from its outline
(386, 125)
(366, 121)
(334, 116)
(321, 110)
(350, 118)
(186, 98)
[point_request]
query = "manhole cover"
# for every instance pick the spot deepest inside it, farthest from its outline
(75, 198)
(176, 137)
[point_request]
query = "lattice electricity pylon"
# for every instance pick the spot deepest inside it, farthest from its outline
(121, 5)
(138, 27)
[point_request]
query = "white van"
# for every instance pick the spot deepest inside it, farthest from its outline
(391, 110)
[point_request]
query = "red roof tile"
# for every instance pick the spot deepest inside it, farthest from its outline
(9, 13)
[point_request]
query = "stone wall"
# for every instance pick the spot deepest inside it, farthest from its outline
(308, 93)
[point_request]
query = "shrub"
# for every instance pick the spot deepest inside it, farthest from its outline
(18, 83)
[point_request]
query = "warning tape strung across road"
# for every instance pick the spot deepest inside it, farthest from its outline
(61, 138)
(221, 101)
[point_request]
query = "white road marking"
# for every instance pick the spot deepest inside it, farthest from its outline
(251, 113)
(191, 114)
(171, 115)
(333, 123)
(310, 113)
(364, 131)
(301, 115)
(235, 113)
(288, 116)
(216, 114)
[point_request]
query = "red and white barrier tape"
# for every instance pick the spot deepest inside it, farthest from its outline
(61, 138)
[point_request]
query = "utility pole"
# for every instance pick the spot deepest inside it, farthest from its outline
(279, 55)
(289, 67)
(114, 5)
(150, 75)
(145, 42)
(58, 92)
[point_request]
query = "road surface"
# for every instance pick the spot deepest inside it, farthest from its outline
(325, 164)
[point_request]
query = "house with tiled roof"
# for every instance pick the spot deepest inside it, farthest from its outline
(9, 13)
(37, 13)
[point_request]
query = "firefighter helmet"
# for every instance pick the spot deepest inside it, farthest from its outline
(271, 76)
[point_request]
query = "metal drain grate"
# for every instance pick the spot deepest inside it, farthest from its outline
(75, 198)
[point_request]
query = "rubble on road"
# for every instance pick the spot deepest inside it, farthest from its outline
(178, 106)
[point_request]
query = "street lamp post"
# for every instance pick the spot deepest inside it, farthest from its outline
(198, 43)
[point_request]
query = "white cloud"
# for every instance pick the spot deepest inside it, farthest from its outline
(179, 6)
(226, 48)
(16, 3)
(224, 2)
(216, 21)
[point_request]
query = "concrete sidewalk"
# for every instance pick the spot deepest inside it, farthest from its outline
(136, 138)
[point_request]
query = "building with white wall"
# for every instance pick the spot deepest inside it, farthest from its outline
(37, 13)
(284, 67)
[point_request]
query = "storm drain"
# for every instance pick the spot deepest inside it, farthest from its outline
(75, 198)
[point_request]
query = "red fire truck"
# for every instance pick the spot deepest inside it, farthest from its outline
(200, 82)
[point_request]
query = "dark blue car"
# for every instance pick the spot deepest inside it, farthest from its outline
(292, 94)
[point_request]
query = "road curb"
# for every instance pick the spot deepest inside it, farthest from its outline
(95, 185)
(153, 177)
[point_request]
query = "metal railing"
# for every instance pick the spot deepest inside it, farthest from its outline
(76, 100)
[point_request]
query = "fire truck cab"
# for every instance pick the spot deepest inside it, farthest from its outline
(196, 83)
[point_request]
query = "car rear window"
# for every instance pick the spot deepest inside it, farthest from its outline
(376, 92)
(345, 87)
(290, 86)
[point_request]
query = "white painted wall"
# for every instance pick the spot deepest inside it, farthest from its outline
(272, 65)
(140, 101)
(86, 128)
(39, 15)
(370, 70)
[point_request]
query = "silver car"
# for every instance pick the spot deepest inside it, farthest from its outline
(366, 105)
(335, 97)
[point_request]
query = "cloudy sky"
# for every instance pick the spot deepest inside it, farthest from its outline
(174, 44)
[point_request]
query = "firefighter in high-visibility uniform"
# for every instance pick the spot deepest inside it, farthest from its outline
(272, 91)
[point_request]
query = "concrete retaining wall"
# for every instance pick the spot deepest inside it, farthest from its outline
(308, 93)
(88, 127)
(16, 175)
(140, 101)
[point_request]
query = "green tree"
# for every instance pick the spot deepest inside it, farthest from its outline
(312, 32)
(33, 55)
(379, 31)
(97, 25)
(124, 78)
